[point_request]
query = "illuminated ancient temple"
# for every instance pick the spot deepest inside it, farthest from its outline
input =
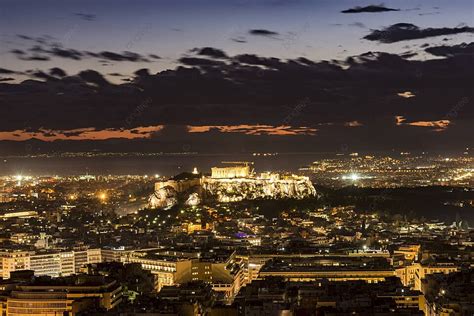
(229, 172)
(232, 183)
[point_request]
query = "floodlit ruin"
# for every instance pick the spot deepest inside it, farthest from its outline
(229, 184)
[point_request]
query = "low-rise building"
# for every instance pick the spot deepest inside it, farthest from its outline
(63, 296)
(449, 294)
(172, 268)
(371, 270)
(413, 275)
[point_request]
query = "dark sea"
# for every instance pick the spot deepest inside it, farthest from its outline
(165, 164)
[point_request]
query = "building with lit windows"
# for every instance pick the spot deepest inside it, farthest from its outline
(410, 252)
(370, 270)
(414, 274)
(13, 261)
(171, 268)
(64, 296)
(50, 263)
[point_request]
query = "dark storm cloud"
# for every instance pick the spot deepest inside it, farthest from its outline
(93, 76)
(49, 134)
(195, 61)
(65, 53)
(6, 71)
(305, 61)
(252, 59)
(43, 75)
(429, 13)
(240, 40)
(57, 72)
(448, 51)
(47, 48)
(263, 32)
(25, 37)
(408, 54)
(74, 133)
(86, 16)
(406, 31)
(35, 58)
(354, 99)
(17, 52)
(142, 73)
(369, 9)
(210, 52)
(124, 56)
(45, 39)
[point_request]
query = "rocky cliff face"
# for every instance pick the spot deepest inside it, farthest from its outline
(232, 190)
(227, 191)
(164, 197)
(167, 196)
(193, 199)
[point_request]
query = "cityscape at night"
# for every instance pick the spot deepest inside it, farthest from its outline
(240, 157)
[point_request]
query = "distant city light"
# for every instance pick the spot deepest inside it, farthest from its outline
(352, 176)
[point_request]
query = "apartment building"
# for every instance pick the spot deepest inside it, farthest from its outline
(50, 263)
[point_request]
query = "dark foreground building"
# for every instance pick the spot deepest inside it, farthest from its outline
(60, 296)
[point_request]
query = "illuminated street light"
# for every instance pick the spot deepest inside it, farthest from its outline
(354, 177)
(103, 196)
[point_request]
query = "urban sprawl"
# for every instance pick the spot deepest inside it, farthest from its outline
(233, 241)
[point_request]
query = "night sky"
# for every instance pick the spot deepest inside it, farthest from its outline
(236, 76)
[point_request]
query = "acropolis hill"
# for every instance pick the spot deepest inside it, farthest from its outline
(232, 183)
